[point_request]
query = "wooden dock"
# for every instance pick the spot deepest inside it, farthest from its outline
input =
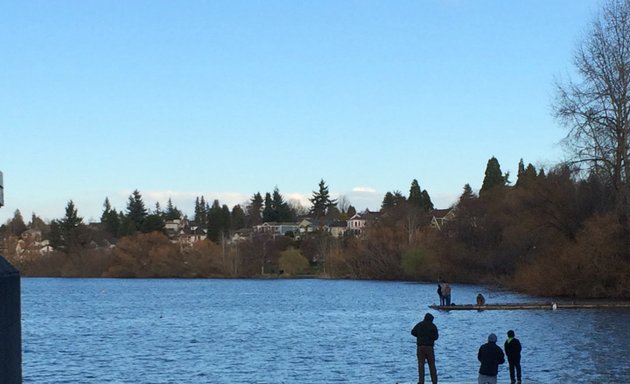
(518, 306)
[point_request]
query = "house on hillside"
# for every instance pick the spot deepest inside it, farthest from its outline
(338, 228)
(191, 235)
(335, 228)
(306, 225)
(441, 216)
(31, 235)
(275, 228)
(173, 227)
(357, 223)
(241, 235)
(181, 231)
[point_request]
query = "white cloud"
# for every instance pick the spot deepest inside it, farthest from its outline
(363, 190)
(298, 197)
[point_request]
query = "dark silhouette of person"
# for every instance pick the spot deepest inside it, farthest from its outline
(426, 333)
(439, 292)
(490, 356)
(446, 291)
(513, 351)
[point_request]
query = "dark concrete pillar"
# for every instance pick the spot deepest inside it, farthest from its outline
(10, 324)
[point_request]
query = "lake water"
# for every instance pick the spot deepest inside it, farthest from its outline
(295, 331)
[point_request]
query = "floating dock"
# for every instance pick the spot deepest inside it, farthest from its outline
(517, 306)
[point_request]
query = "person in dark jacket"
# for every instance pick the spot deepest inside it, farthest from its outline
(446, 292)
(439, 292)
(426, 333)
(513, 352)
(490, 356)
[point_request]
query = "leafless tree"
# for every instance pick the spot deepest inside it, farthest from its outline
(343, 203)
(596, 108)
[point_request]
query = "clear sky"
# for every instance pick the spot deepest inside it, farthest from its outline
(224, 99)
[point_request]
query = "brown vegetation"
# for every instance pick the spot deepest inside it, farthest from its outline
(550, 234)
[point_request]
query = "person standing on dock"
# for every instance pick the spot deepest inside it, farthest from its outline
(490, 356)
(446, 291)
(439, 292)
(513, 351)
(426, 333)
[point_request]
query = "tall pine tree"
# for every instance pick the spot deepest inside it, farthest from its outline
(321, 201)
(493, 176)
(136, 211)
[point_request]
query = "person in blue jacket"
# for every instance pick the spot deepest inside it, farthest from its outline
(490, 356)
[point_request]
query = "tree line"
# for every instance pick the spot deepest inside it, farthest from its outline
(551, 233)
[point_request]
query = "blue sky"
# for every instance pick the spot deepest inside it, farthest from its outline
(227, 98)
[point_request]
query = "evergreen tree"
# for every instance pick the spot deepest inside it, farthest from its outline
(415, 195)
(427, 204)
(226, 220)
(521, 170)
(158, 209)
(107, 208)
(68, 232)
(419, 198)
(468, 193)
(215, 221)
(392, 200)
(152, 223)
(493, 176)
(16, 226)
(269, 214)
(237, 218)
(275, 208)
(110, 219)
(37, 223)
(281, 207)
(333, 213)
(136, 212)
(172, 213)
(321, 201)
(388, 201)
(525, 176)
(201, 212)
(72, 219)
(126, 227)
(254, 210)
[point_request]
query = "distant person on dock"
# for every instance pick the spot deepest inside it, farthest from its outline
(446, 291)
(426, 333)
(513, 351)
(439, 292)
(481, 300)
(490, 356)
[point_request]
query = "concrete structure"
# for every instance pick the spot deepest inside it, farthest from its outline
(1, 190)
(10, 324)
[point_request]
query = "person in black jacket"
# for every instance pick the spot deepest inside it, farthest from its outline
(426, 333)
(490, 356)
(513, 351)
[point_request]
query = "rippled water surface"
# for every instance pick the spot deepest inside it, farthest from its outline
(295, 331)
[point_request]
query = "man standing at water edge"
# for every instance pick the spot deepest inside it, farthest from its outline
(446, 292)
(426, 333)
(513, 351)
(490, 356)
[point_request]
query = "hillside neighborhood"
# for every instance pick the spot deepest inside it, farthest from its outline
(186, 233)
